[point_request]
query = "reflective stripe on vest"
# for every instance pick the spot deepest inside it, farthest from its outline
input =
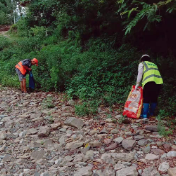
(21, 68)
(151, 74)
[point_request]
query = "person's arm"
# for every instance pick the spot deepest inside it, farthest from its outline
(27, 68)
(140, 74)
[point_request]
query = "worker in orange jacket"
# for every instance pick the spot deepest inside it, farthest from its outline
(23, 68)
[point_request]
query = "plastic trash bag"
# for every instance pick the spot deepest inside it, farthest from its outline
(134, 103)
(31, 81)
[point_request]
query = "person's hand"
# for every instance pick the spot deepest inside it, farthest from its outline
(137, 85)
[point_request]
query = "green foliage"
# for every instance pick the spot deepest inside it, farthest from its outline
(6, 9)
(162, 128)
(82, 49)
(87, 108)
(48, 102)
(3, 43)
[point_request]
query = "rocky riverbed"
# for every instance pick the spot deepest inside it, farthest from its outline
(38, 138)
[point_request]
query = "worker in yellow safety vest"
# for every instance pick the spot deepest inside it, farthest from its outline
(23, 68)
(152, 82)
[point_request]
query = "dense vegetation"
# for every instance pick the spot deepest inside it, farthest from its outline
(91, 49)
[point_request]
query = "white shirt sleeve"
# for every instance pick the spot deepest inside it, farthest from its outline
(140, 72)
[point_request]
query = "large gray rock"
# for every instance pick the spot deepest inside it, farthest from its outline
(55, 126)
(129, 171)
(32, 131)
(172, 171)
(152, 128)
(3, 135)
(142, 142)
(74, 122)
(151, 157)
(118, 140)
(163, 167)
(150, 171)
(112, 146)
(84, 171)
(95, 144)
(146, 149)
(128, 144)
(74, 145)
(171, 154)
(118, 156)
(44, 131)
(37, 155)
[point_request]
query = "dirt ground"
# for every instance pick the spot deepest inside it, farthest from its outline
(4, 29)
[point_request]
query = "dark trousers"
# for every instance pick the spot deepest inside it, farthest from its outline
(151, 92)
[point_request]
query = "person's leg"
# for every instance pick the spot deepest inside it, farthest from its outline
(146, 100)
(21, 85)
(20, 76)
(153, 105)
(24, 85)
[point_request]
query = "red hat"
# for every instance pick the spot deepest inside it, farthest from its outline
(36, 61)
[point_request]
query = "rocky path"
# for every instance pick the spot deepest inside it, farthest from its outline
(40, 135)
(4, 29)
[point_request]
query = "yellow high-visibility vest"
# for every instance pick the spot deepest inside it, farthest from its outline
(151, 73)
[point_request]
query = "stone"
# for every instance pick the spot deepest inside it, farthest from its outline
(89, 155)
(142, 142)
(150, 171)
(44, 131)
(146, 149)
(62, 140)
(108, 171)
(66, 114)
(174, 147)
(118, 156)
(163, 167)
(78, 158)
(118, 116)
(171, 154)
(3, 135)
(159, 144)
(37, 155)
(138, 137)
(103, 131)
(129, 171)
(74, 145)
(32, 131)
(55, 126)
(7, 157)
(157, 151)
(172, 171)
(118, 140)
(74, 122)
(112, 146)
(167, 147)
(119, 166)
(107, 141)
(115, 131)
(151, 157)
(164, 156)
(84, 171)
(92, 132)
(71, 102)
(95, 144)
(152, 128)
(128, 144)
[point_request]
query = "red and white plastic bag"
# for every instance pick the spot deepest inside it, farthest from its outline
(134, 103)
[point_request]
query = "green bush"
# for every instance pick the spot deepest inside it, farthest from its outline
(4, 42)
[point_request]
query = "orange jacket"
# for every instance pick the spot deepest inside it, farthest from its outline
(21, 68)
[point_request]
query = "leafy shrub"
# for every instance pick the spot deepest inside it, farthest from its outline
(87, 108)
(4, 42)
